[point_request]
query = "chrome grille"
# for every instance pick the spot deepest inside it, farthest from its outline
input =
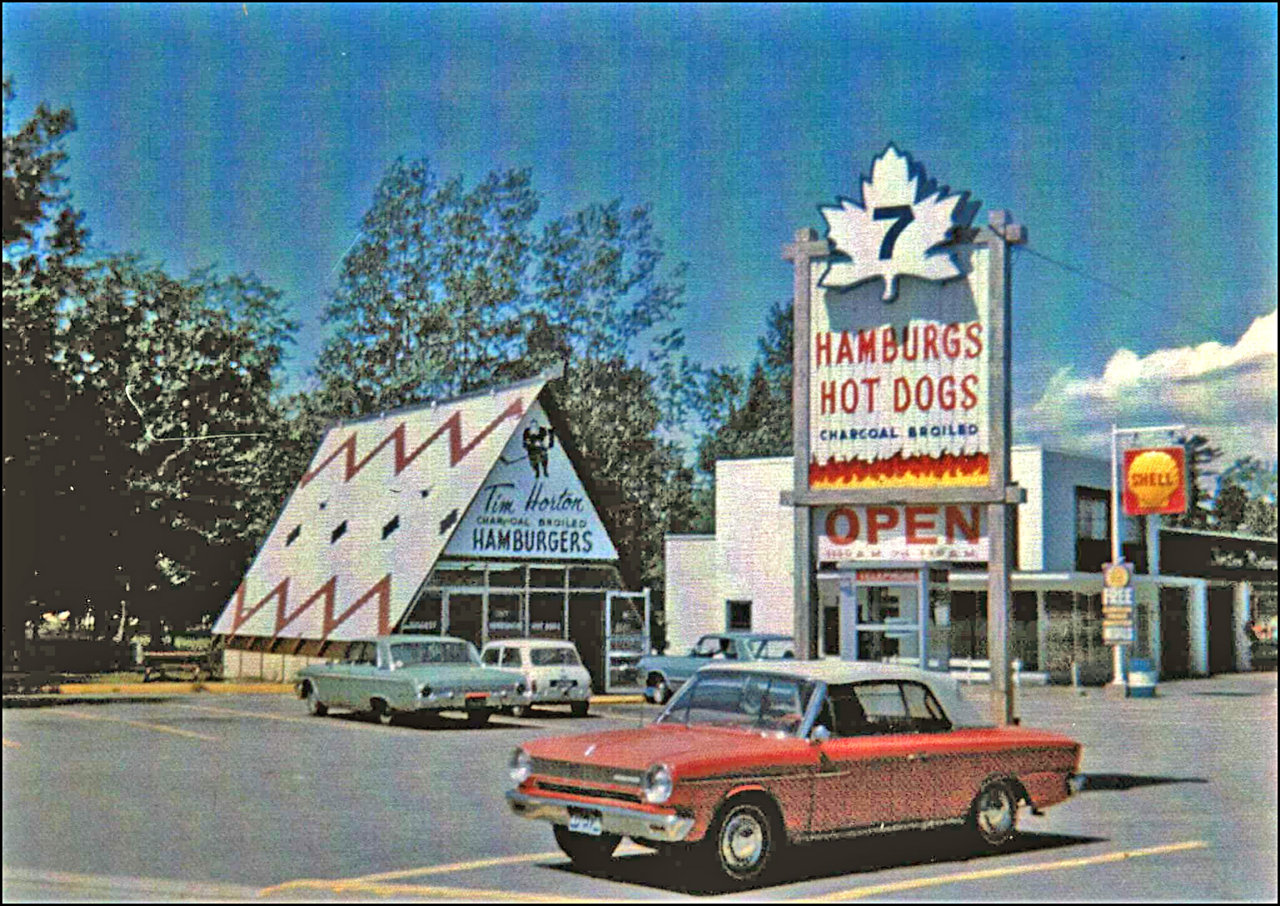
(591, 773)
(592, 792)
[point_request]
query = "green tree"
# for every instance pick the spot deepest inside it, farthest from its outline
(430, 296)
(137, 417)
(1201, 455)
(1246, 498)
(753, 417)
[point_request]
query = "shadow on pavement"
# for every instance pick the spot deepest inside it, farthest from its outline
(1110, 782)
(827, 859)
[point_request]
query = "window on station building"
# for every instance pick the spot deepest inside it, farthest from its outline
(737, 616)
(1092, 514)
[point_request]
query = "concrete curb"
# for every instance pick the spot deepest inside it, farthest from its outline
(146, 691)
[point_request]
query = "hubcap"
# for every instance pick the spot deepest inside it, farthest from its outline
(742, 842)
(995, 813)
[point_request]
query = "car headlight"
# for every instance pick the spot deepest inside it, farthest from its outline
(521, 766)
(657, 784)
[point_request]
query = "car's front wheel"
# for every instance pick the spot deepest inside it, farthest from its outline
(585, 850)
(519, 710)
(994, 814)
(745, 838)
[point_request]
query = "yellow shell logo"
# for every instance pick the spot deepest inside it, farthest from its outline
(1154, 476)
(1116, 577)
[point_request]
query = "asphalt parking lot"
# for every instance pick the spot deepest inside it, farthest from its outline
(234, 796)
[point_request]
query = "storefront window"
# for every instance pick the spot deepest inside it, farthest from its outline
(546, 615)
(505, 619)
(425, 614)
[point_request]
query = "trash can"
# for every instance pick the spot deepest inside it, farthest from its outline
(1142, 679)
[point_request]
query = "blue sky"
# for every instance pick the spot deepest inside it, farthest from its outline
(1137, 143)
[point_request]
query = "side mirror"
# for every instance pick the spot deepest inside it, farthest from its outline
(819, 735)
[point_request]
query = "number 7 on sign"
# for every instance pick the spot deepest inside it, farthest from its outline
(901, 215)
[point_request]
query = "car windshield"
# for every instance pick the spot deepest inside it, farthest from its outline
(771, 649)
(750, 701)
(445, 651)
(552, 657)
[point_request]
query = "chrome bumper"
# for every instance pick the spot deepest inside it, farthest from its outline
(625, 822)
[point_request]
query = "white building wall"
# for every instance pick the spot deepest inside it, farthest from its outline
(691, 590)
(756, 559)
(1063, 474)
(1026, 469)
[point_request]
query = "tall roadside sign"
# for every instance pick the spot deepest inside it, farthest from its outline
(901, 386)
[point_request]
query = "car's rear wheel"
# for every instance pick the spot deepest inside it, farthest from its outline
(315, 707)
(994, 814)
(579, 709)
(585, 850)
(478, 718)
(659, 691)
(744, 839)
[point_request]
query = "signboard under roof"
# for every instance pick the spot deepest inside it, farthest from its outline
(533, 505)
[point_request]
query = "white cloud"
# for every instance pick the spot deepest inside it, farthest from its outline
(1226, 393)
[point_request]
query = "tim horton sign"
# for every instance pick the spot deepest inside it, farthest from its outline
(1155, 481)
(899, 370)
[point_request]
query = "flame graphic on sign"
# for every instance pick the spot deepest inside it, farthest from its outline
(945, 470)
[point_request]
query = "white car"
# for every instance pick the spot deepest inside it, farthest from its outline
(553, 672)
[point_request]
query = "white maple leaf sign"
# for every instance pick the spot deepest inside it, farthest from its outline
(896, 229)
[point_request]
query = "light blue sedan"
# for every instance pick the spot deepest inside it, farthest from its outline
(664, 674)
(405, 674)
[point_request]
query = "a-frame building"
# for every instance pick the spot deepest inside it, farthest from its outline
(468, 517)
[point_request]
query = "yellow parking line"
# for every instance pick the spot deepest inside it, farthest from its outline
(10, 744)
(311, 721)
(161, 728)
(376, 883)
(416, 890)
(878, 890)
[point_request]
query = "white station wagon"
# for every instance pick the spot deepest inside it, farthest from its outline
(553, 672)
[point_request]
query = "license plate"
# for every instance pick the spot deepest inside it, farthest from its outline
(564, 683)
(584, 821)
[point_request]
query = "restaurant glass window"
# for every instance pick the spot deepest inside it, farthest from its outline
(546, 615)
(505, 619)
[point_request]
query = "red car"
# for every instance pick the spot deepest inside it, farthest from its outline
(749, 758)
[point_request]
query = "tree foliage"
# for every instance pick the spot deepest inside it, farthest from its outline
(751, 417)
(138, 420)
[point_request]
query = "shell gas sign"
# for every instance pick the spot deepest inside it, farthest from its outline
(1155, 481)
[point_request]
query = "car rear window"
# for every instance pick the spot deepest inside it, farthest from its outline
(551, 657)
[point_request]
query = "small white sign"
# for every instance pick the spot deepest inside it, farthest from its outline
(1117, 634)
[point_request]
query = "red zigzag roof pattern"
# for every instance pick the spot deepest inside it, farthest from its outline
(457, 451)
(380, 590)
